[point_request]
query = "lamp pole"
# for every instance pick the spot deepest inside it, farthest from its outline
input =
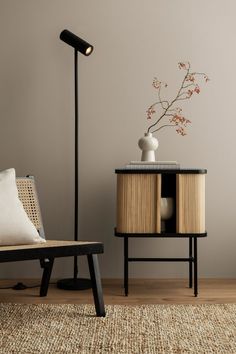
(85, 48)
(76, 207)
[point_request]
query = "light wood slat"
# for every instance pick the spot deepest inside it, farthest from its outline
(137, 203)
(48, 243)
(190, 202)
(158, 203)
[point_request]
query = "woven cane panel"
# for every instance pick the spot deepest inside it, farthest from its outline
(28, 197)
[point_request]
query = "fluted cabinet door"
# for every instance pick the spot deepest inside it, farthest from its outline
(190, 203)
(138, 203)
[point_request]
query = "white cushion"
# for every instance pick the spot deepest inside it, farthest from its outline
(15, 226)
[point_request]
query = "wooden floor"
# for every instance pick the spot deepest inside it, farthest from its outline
(158, 291)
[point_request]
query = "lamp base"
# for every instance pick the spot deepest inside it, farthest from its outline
(74, 284)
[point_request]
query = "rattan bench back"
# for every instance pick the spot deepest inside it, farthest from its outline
(28, 196)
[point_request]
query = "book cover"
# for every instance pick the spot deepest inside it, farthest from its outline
(152, 167)
(153, 163)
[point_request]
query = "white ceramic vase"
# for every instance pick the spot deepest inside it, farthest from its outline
(148, 144)
(167, 211)
(167, 208)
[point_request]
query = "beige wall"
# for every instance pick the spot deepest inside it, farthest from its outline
(134, 40)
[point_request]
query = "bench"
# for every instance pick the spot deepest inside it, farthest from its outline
(46, 252)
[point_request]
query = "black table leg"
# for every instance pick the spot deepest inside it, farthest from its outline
(190, 262)
(126, 269)
(47, 265)
(195, 268)
(96, 284)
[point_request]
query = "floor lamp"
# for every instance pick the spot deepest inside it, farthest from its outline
(85, 48)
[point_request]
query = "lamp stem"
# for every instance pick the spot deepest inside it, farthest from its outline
(76, 209)
(83, 47)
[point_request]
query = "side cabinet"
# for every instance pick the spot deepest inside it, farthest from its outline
(139, 200)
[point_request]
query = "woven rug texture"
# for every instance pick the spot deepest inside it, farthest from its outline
(164, 329)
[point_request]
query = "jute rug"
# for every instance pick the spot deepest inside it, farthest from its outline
(143, 329)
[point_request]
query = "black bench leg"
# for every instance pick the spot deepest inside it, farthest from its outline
(96, 284)
(47, 265)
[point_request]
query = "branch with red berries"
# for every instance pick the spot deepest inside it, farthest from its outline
(169, 110)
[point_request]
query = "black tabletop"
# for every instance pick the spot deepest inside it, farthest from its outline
(155, 170)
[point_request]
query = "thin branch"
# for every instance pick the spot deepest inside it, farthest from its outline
(184, 98)
(196, 73)
(165, 125)
(172, 102)
(159, 96)
(183, 93)
(184, 87)
(159, 102)
(174, 109)
(181, 96)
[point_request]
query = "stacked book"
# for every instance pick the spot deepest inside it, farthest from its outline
(154, 165)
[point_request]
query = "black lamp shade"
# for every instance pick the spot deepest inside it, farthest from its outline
(79, 44)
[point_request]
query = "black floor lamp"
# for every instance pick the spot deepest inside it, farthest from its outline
(85, 48)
